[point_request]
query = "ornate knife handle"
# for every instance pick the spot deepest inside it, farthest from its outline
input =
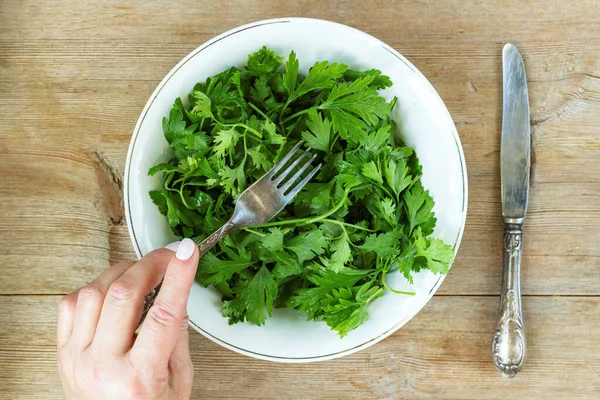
(509, 348)
(203, 248)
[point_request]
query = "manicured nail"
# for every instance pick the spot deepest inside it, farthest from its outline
(173, 246)
(186, 249)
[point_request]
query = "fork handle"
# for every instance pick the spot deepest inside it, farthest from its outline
(203, 248)
(214, 238)
(509, 347)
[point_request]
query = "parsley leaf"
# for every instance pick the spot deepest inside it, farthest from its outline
(319, 136)
(259, 159)
(340, 253)
(355, 107)
(233, 180)
(264, 61)
(286, 268)
(172, 214)
(174, 125)
(218, 271)
(397, 176)
(378, 81)
(371, 171)
(388, 209)
(291, 74)
(202, 106)
(309, 300)
(163, 167)
(346, 309)
(383, 244)
(438, 254)
(255, 301)
(273, 241)
(160, 200)
(377, 139)
(322, 75)
(418, 205)
(225, 141)
(308, 245)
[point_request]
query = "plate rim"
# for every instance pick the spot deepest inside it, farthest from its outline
(396, 54)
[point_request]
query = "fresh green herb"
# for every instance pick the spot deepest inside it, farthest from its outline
(364, 215)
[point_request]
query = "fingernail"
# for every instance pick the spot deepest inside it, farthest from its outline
(186, 249)
(173, 246)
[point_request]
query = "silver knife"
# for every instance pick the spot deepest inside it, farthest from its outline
(509, 348)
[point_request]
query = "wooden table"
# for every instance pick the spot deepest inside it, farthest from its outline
(74, 76)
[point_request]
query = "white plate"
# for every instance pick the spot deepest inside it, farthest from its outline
(423, 122)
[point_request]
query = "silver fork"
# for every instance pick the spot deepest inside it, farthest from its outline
(260, 202)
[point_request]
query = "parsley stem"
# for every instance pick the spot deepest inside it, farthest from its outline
(244, 126)
(276, 108)
(254, 232)
(333, 210)
(287, 103)
(168, 180)
(308, 220)
(392, 289)
(335, 137)
(284, 222)
(299, 113)
(193, 183)
(374, 296)
(183, 198)
(333, 221)
(245, 153)
(415, 180)
(252, 106)
(386, 191)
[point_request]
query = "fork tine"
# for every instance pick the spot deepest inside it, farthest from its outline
(300, 185)
(289, 169)
(294, 178)
(282, 162)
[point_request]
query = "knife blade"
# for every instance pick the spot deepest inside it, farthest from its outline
(509, 345)
(514, 148)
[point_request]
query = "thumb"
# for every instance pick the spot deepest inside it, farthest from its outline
(162, 326)
(181, 365)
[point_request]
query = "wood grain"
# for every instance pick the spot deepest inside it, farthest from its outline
(431, 357)
(74, 77)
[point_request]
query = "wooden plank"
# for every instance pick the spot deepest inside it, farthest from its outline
(551, 20)
(443, 353)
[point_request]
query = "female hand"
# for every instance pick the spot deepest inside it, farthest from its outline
(99, 355)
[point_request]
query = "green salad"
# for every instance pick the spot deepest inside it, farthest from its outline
(363, 216)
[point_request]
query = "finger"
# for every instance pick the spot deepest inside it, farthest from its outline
(180, 363)
(160, 330)
(124, 302)
(64, 318)
(89, 304)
